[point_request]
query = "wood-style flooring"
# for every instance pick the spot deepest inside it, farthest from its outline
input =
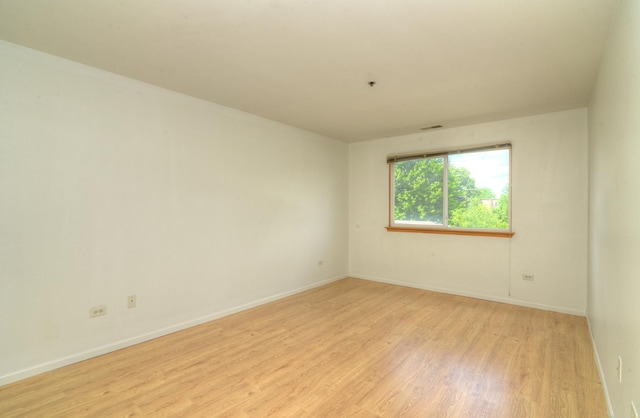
(352, 348)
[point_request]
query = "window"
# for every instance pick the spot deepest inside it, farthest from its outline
(464, 191)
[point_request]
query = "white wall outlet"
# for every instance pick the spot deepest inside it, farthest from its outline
(619, 369)
(634, 411)
(98, 311)
(528, 277)
(131, 301)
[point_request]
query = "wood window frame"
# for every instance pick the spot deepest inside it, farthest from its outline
(445, 229)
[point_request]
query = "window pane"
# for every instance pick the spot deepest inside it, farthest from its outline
(478, 195)
(418, 191)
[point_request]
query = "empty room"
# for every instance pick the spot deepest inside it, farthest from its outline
(319, 209)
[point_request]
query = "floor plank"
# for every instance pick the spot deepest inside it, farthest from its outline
(353, 348)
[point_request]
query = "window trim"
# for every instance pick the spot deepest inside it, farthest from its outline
(394, 158)
(444, 229)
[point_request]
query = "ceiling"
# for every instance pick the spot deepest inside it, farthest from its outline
(309, 63)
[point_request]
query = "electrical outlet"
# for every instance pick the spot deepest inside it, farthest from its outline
(131, 301)
(634, 411)
(619, 369)
(528, 277)
(98, 311)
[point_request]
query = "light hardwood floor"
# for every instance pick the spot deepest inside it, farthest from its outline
(353, 348)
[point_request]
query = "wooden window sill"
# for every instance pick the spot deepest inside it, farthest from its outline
(498, 234)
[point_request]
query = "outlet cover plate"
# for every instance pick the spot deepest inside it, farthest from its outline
(619, 369)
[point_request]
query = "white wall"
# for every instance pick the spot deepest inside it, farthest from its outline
(614, 250)
(111, 187)
(549, 205)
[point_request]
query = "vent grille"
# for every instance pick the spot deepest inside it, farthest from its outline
(431, 127)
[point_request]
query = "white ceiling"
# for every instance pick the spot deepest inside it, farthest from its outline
(308, 63)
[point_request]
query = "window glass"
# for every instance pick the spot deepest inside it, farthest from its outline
(419, 187)
(479, 190)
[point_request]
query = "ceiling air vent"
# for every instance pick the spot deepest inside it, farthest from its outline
(431, 127)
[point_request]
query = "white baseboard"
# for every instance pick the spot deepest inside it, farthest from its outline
(607, 398)
(473, 295)
(98, 351)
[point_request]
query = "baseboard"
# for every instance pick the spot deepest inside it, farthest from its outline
(98, 351)
(607, 398)
(473, 295)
